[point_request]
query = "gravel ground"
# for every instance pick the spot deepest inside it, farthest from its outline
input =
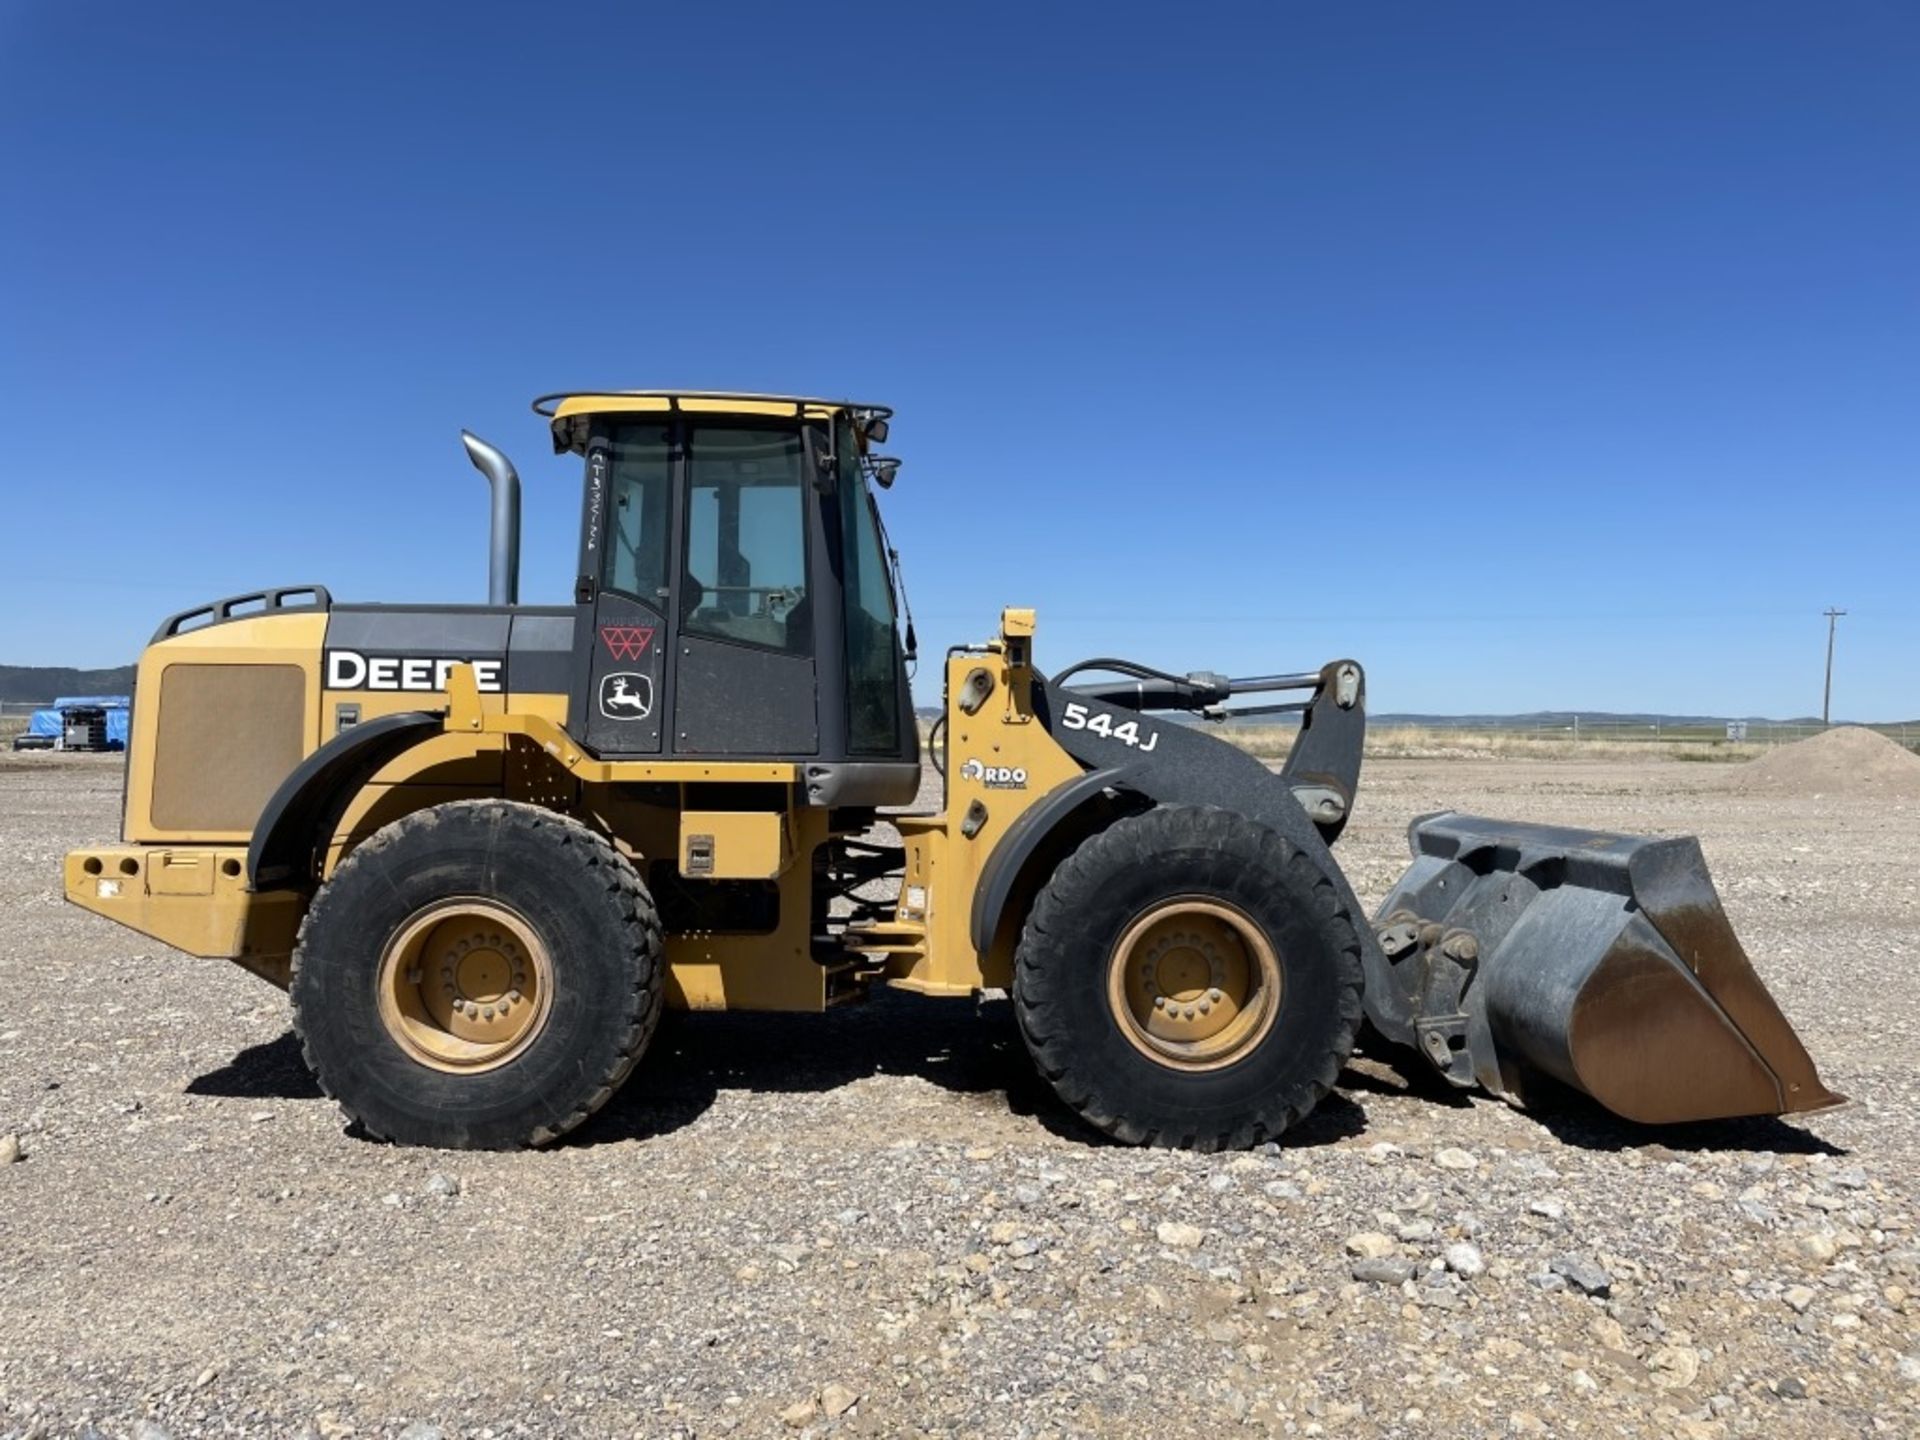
(878, 1223)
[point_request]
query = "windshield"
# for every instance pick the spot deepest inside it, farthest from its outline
(873, 671)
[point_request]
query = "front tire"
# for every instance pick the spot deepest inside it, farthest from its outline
(1188, 978)
(478, 976)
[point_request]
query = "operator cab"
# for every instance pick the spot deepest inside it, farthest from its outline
(734, 596)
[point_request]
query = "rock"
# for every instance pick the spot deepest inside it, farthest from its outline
(1798, 1298)
(1791, 1387)
(1369, 1245)
(1583, 1275)
(1909, 1368)
(10, 1151)
(1548, 1281)
(1549, 1208)
(1611, 1333)
(798, 1413)
(147, 1430)
(1453, 1158)
(836, 1399)
(1415, 1231)
(1383, 1270)
(438, 1184)
(422, 1430)
(1674, 1367)
(205, 1377)
(1819, 1246)
(1180, 1235)
(1465, 1260)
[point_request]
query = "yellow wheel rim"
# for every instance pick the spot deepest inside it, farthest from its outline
(1194, 984)
(465, 985)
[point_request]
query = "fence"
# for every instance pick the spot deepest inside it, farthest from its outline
(1685, 739)
(1706, 732)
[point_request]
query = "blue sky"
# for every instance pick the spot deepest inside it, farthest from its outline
(1537, 355)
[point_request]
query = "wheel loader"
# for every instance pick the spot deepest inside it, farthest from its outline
(482, 846)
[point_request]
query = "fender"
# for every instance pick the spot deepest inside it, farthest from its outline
(302, 815)
(1002, 870)
(1170, 763)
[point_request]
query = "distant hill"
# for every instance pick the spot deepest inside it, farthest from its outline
(1549, 719)
(1605, 720)
(23, 683)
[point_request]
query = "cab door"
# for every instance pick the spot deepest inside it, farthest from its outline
(620, 702)
(744, 652)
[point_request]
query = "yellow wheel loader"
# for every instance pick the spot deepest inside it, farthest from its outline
(483, 845)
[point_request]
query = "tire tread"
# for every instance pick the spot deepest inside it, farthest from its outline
(636, 911)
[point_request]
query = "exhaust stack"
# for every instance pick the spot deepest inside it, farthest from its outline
(503, 559)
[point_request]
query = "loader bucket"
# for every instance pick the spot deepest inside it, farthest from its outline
(1602, 961)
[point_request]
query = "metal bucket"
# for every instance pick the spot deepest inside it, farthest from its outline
(1604, 962)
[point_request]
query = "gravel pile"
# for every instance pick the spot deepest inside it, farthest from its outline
(878, 1223)
(1849, 760)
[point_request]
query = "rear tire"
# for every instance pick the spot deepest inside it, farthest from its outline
(1188, 978)
(478, 976)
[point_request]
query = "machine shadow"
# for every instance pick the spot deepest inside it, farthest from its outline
(1577, 1120)
(1573, 1118)
(963, 1048)
(272, 1070)
(966, 1049)
(975, 1050)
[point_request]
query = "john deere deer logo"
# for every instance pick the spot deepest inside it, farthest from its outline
(626, 696)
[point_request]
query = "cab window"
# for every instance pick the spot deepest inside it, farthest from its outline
(873, 672)
(746, 556)
(639, 513)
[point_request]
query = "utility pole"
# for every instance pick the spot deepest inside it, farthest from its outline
(1826, 699)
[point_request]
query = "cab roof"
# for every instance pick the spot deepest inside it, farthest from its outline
(564, 403)
(566, 409)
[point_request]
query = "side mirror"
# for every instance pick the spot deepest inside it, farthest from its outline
(884, 468)
(876, 429)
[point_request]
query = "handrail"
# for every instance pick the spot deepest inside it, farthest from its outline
(257, 602)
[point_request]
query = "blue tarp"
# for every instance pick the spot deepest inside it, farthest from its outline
(48, 722)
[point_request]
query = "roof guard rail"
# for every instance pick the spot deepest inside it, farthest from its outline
(244, 607)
